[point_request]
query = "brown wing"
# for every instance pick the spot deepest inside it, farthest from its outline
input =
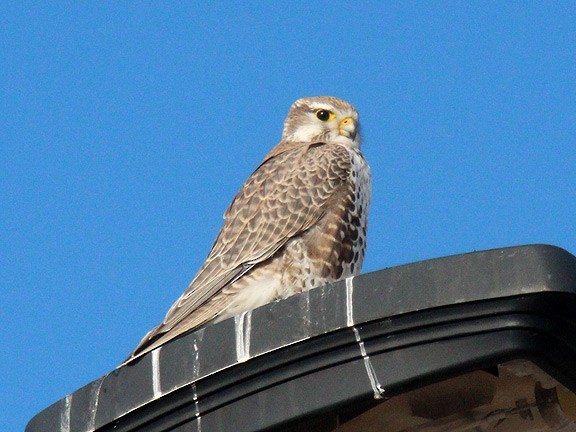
(284, 197)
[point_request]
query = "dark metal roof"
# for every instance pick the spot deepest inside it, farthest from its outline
(339, 343)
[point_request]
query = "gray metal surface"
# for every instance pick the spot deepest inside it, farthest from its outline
(239, 342)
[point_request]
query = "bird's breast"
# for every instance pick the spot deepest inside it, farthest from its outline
(335, 247)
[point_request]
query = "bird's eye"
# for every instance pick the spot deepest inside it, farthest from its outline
(324, 115)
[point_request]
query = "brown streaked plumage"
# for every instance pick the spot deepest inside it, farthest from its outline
(298, 222)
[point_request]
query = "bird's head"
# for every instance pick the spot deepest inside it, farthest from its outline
(322, 119)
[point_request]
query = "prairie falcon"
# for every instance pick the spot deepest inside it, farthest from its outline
(298, 222)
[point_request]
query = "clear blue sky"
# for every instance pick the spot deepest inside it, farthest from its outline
(127, 128)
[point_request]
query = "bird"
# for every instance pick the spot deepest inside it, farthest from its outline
(298, 222)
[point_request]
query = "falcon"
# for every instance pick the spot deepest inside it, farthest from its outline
(298, 222)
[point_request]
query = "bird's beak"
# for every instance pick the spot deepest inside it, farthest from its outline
(347, 128)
